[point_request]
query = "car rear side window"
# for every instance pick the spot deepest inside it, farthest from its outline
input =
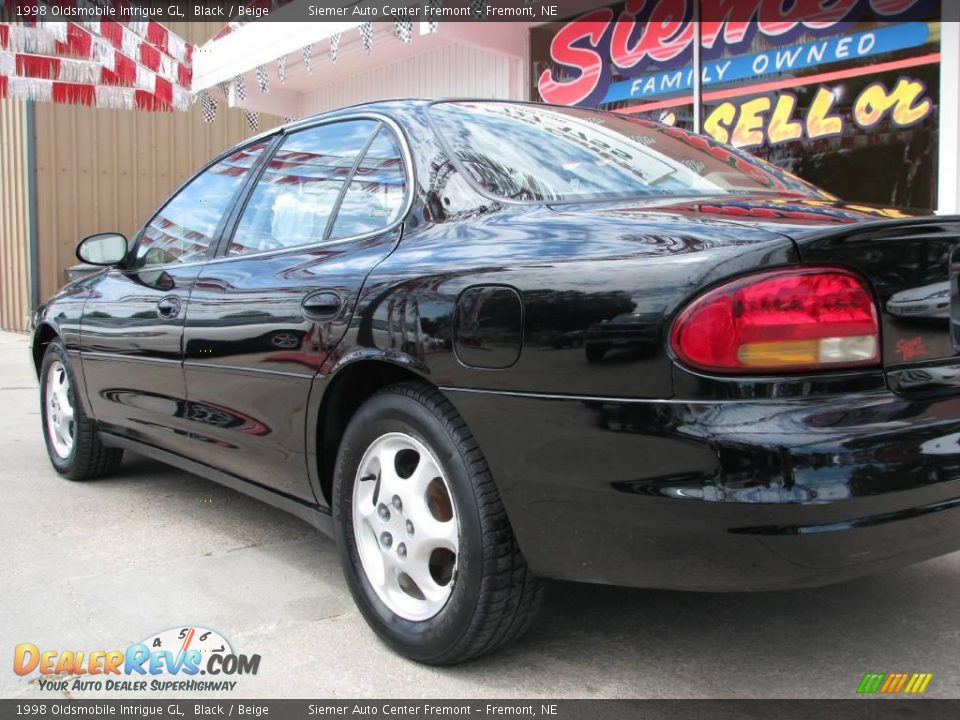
(298, 191)
(375, 197)
(543, 153)
(183, 229)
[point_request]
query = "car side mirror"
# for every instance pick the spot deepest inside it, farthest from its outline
(102, 249)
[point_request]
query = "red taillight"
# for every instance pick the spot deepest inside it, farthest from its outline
(781, 321)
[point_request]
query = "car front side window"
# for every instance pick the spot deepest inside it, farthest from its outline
(298, 191)
(184, 229)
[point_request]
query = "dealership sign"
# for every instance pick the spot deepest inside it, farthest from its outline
(650, 43)
(773, 119)
(791, 58)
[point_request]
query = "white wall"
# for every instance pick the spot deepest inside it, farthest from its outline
(948, 201)
(450, 71)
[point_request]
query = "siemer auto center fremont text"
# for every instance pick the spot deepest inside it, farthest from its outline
(429, 12)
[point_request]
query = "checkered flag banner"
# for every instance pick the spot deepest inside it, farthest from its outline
(403, 31)
(262, 78)
(308, 57)
(208, 107)
(224, 88)
(334, 46)
(432, 25)
(253, 120)
(282, 68)
(366, 35)
(241, 87)
(478, 8)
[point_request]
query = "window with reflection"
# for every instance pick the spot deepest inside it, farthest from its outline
(294, 198)
(375, 197)
(575, 155)
(183, 230)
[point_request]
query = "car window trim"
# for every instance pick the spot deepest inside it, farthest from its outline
(221, 225)
(335, 210)
(410, 179)
(246, 190)
(406, 157)
(231, 230)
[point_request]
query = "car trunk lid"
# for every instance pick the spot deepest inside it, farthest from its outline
(915, 272)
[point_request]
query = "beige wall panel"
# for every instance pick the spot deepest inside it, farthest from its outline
(14, 218)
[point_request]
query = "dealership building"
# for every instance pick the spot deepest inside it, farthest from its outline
(850, 96)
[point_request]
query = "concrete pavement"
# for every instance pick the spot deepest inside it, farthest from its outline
(103, 564)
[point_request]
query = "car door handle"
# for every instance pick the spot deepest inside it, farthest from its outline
(168, 308)
(322, 305)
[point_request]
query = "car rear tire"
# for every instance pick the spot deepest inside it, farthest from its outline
(414, 504)
(74, 448)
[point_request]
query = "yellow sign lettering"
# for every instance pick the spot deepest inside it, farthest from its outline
(782, 128)
(749, 128)
(820, 123)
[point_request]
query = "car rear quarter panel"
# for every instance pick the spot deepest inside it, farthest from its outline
(575, 271)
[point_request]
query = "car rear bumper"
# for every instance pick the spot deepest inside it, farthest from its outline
(723, 496)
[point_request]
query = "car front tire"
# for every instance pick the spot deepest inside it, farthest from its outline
(71, 437)
(424, 540)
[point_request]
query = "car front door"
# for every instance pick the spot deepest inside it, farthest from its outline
(268, 310)
(132, 328)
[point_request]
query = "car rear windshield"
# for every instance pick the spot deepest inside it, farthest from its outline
(550, 154)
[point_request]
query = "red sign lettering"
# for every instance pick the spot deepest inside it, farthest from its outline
(659, 33)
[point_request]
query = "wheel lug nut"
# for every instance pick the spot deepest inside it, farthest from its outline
(386, 539)
(397, 502)
(384, 512)
(409, 528)
(402, 550)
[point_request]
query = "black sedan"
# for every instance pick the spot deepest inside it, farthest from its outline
(484, 343)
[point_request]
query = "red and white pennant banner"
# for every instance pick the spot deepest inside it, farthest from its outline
(137, 65)
(103, 96)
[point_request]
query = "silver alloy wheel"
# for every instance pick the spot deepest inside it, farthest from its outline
(59, 410)
(405, 525)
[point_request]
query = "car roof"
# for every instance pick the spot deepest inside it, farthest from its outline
(385, 106)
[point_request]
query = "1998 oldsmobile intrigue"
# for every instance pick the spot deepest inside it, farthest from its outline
(483, 343)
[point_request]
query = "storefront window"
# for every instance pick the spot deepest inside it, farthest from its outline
(846, 98)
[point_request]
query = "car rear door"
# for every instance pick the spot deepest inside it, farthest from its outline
(267, 311)
(132, 328)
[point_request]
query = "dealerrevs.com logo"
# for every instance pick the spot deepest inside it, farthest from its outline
(171, 660)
